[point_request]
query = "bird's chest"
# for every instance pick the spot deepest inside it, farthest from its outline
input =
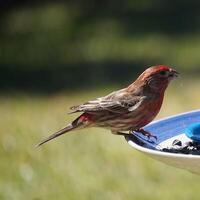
(149, 111)
(145, 113)
(153, 107)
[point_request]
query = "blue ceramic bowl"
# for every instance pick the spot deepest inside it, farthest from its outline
(164, 130)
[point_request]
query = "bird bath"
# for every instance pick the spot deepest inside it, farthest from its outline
(167, 130)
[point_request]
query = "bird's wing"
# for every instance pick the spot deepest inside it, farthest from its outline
(115, 105)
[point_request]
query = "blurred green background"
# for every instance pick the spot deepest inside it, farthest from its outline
(55, 54)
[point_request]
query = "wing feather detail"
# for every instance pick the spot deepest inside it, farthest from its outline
(128, 104)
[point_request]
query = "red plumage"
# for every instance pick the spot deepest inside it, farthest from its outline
(127, 109)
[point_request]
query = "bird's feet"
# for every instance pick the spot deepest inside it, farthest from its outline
(120, 133)
(146, 133)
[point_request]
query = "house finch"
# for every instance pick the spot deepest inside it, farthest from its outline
(128, 109)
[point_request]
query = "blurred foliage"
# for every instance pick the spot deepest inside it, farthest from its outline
(58, 40)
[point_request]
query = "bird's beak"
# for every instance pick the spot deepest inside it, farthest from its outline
(173, 74)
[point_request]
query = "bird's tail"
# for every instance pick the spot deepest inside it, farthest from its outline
(64, 130)
(80, 122)
(56, 134)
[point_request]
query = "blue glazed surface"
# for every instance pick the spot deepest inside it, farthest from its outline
(167, 128)
(193, 132)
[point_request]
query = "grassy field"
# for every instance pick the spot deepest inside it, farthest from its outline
(89, 164)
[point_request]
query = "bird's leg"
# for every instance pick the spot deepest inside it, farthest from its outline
(120, 133)
(146, 133)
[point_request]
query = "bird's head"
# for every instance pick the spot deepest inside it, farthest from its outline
(158, 77)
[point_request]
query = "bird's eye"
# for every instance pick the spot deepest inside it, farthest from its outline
(163, 73)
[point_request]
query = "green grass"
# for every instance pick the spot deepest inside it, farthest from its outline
(88, 164)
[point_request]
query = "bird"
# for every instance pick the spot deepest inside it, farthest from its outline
(125, 110)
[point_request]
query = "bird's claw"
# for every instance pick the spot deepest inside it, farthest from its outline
(147, 134)
(152, 136)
